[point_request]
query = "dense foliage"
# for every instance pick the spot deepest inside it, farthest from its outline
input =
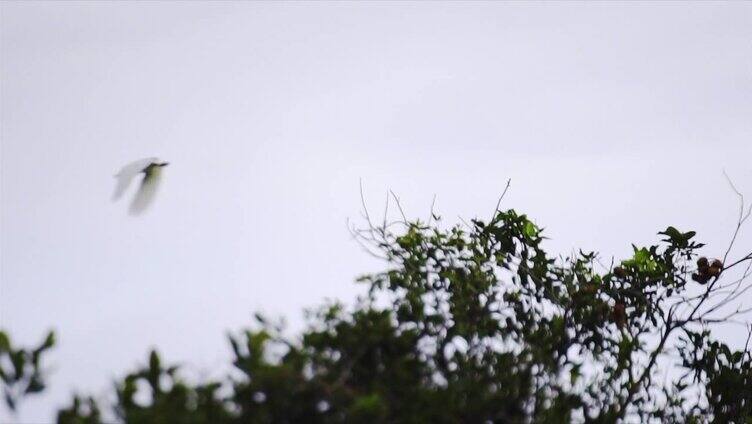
(477, 323)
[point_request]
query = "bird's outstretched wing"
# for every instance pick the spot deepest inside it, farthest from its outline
(145, 195)
(126, 175)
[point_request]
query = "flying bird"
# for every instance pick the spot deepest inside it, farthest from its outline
(152, 170)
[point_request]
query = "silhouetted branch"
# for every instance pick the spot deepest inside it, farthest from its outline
(498, 203)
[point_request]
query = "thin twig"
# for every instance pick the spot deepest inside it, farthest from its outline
(365, 208)
(742, 215)
(360, 239)
(386, 211)
(431, 214)
(399, 206)
(498, 203)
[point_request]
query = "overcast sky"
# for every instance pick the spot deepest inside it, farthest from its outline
(612, 120)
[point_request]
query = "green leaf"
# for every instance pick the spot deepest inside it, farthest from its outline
(530, 230)
(677, 238)
(672, 233)
(154, 365)
(49, 341)
(35, 385)
(4, 342)
(18, 360)
(10, 401)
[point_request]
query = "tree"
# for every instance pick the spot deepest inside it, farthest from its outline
(21, 373)
(477, 323)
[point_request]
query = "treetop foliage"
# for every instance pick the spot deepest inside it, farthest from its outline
(478, 323)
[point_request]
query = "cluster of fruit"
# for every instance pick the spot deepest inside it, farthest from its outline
(707, 270)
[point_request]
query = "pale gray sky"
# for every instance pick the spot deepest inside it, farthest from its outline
(612, 120)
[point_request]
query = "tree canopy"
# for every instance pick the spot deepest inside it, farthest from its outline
(474, 323)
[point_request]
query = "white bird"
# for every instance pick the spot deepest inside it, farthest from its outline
(152, 170)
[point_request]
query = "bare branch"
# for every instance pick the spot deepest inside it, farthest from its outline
(464, 222)
(399, 206)
(431, 214)
(745, 258)
(361, 239)
(365, 208)
(742, 217)
(386, 211)
(498, 203)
